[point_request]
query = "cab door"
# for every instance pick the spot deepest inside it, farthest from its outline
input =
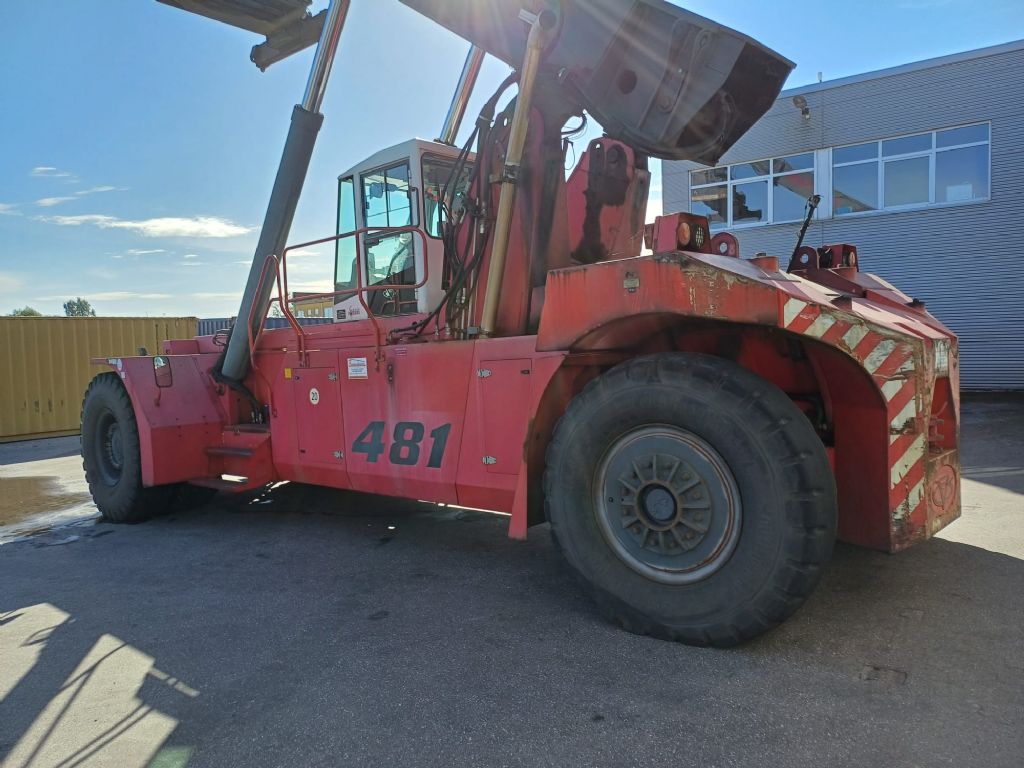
(389, 258)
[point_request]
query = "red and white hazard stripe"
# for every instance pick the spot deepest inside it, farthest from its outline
(891, 365)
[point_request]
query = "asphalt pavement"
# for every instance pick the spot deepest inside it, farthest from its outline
(309, 628)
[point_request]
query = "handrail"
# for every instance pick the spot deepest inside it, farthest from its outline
(282, 301)
(360, 290)
(250, 318)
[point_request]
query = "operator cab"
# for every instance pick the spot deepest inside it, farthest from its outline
(399, 187)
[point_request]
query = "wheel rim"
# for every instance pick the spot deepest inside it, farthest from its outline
(667, 504)
(109, 448)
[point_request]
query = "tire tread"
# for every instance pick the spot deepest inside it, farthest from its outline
(809, 546)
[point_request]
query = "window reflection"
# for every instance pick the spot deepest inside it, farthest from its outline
(750, 202)
(802, 162)
(345, 248)
(790, 195)
(710, 202)
(968, 134)
(759, 192)
(947, 166)
(907, 145)
(750, 170)
(855, 188)
(961, 174)
(386, 198)
(855, 153)
(906, 181)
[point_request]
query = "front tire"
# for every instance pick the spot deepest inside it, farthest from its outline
(110, 455)
(692, 496)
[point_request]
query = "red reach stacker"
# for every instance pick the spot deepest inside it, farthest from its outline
(697, 428)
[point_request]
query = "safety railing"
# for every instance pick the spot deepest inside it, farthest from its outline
(280, 269)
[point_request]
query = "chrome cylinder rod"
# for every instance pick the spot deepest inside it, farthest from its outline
(277, 223)
(460, 99)
(316, 86)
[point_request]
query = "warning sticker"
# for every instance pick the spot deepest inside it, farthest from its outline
(357, 368)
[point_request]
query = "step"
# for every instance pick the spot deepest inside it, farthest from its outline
(257, 428)
(222, 484)
(228, 450)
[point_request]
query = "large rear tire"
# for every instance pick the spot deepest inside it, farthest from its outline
(110, 455)
(692, 496)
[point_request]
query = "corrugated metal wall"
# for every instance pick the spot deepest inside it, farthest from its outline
(963, 261)
(44, 365)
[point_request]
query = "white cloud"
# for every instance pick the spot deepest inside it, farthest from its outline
(112, 296)
(49, 172)
(236, 295)
(104, 188)
(309, 263)
(191, 264)
(196, 226)
(191, 256)
(48, 202)
(315, 286)
(9, 209)
(74, 221)
(144, 251)
(127, 295)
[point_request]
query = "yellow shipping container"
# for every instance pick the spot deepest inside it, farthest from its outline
(45, 368)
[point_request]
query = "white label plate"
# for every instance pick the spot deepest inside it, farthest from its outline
(357, 368)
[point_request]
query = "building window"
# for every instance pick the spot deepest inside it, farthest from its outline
(762, 192)
(934, 168)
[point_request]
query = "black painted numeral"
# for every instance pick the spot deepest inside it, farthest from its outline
(405, 443)
(439, 439)
(405, 450)
(370, 441)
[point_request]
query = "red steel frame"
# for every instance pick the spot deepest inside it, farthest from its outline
(881, 370)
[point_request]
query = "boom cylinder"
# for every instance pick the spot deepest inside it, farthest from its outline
(291, 174)
(541, 25)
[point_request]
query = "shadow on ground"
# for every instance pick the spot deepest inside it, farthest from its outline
(296, 628)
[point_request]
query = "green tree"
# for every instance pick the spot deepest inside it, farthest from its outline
(78, 307)
(26, 312)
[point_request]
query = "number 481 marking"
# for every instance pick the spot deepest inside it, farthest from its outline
(405, 443)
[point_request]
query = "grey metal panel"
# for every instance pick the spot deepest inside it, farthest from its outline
(963, 261)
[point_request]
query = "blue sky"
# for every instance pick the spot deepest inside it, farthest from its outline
(138, 144)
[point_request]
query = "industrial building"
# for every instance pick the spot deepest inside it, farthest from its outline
(920, 166)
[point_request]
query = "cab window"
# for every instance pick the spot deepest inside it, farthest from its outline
(438, 183)
(390, 256)
(345, 248)
(386, 198)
